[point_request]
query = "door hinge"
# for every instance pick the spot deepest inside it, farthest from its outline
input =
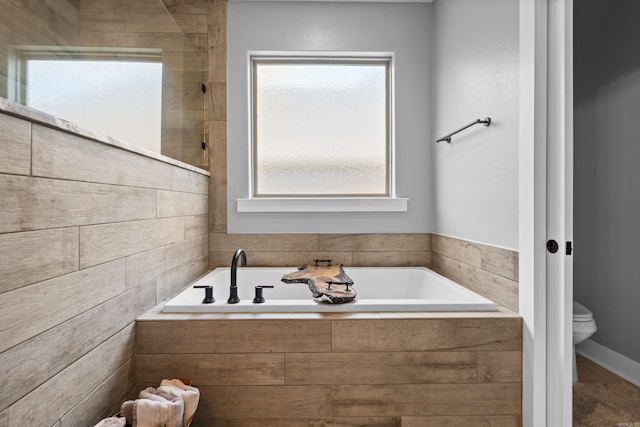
(568, 248)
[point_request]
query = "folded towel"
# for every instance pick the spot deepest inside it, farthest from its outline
(190, 395)
(126, 410)
(155, 394)
(112, 422)
(154, 413)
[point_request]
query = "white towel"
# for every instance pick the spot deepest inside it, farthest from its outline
(112, 422)
(190, 395)
(154, 413)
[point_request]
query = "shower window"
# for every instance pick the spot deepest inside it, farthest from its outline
(321, 127)
(119, 95)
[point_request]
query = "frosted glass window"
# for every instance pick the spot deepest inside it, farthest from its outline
(321, 128)
(121, 99)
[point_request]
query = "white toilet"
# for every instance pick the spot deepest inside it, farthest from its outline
(583, 327)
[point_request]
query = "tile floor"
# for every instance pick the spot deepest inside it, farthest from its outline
(602, 398)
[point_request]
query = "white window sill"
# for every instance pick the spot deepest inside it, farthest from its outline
(322, 204)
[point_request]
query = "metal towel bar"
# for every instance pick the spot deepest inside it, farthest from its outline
(447, 138)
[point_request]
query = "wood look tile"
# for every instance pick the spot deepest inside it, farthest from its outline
(211, 369)
(376, 242)
(502, 262)
(27, 311)
(61, 155)
(217, 101)
(265, 402)
(309, 422)
(113, 21)
(427, 334)
(217, 30)
(391, 259)
(3, 419)
(381, 368)
(224, 242)
(218, 168)
(190, 22)
(455, 421)
(34, 256)
(174, 203)
(497, 288)
(279, 259)
(197, 225)
(34, 361)
(151, 23)
(174, 281)
(37, 203)
(15, 145)
(105, 242)
(100, 403)
(499, 366)
(188, 181)
(426, 399)
(234, 336)
(460, 250)
(47, 403)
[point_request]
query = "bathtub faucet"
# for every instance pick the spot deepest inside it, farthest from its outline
(233, 288)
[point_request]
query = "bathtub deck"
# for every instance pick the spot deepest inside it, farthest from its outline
(351, 369)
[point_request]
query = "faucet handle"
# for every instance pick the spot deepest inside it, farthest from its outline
(208, 293)
(259, 298)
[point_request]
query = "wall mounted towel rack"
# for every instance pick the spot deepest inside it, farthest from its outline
(447, 138)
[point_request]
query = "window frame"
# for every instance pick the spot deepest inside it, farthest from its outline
(334, 202)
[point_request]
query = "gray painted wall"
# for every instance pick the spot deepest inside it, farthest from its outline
(476, 75)
(402, 28)
(607, 174)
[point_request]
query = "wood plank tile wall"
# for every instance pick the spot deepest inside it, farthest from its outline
(91, 237)
(430, 371)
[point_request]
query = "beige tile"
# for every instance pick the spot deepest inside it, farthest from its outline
(457, 249)
(458, 421)
(174, 203)
(15, 145)
(188, 181)
(3, 419)
(427, 334)
(378, 242)
(266, 402)
(60, 155)
(113, 21)
(211, 369)
(502, 262)
(196, 226)
(27, 311)
(99, 403)
(313, 422)
(191, 23)
(33, 256)
(381, 368)
(47, 403)
(391, 259)
(279, 259)
(497, 288)
(426, 399)
(151, 23)
(217, 92)
(36, 203)
(499, 366)
(234, 336)
(102, 243)
(217, 40)
(218, 182)
(222, 242)
(174, 281)
(187, 6)
(33, 362)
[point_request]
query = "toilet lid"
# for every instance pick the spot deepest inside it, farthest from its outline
(581, 313)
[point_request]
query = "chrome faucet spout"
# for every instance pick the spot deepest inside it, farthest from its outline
(233, 287)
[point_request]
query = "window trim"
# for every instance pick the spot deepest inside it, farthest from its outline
(323, 203)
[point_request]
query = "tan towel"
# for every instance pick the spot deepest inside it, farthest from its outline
(154, 413)
(126, 410)
(155, 394)
(190, 395)
(112, 422)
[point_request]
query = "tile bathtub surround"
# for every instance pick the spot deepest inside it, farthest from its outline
(91, 237)
(430, 369)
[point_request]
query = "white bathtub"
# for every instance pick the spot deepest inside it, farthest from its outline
(379, 289)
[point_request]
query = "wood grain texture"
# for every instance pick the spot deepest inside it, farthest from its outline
(217, 30)
(279, 259)
(33, 256)
(148, 265)
(381, 368)
(233, 336)
(391, 259)
(190, 22)
(174, 281)
(306, 422)
(212, 369)
(99, 403)
(497, 288)
(426, 399)
(30, 310)
(15, 145)
(3, 419)
(113, 21)
(174, 203)
(499, 366)
(427, 334)
(33, 362)
(36, 203)
(223, 242)
(376, 242)
(217, 101)
(105, 242)
(60, 155)
(297, 402)
(196, 226)
(456, 421)
(218, 168)
(188, 181)
(51, 400)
